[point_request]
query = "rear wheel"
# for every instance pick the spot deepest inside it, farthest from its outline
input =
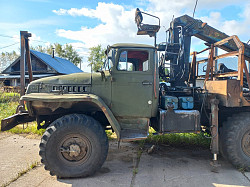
(222, 142)
(74, 145)
(236, 140)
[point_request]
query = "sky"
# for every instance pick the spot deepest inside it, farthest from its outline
(88, 23)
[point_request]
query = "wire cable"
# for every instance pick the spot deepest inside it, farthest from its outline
(195, 7)
(6, 36)
(9, 45)
(38, 41)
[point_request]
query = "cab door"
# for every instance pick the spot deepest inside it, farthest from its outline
(132, 83)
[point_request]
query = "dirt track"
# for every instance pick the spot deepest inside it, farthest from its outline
(166, 166)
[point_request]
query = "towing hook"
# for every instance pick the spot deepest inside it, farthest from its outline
(20, 109)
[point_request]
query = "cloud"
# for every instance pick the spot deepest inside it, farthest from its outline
(117, 25)
(230, 27)
(104, 12)
(75, 12)
(117, 21)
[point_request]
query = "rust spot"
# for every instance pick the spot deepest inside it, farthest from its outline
(203, 24)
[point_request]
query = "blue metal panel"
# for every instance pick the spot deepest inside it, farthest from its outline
(186, 102)
(60, 65)
(3, 77)
(167, 101)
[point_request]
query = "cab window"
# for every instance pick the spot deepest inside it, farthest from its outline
(133, 60)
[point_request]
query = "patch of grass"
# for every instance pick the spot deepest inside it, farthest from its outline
(179, 139)
(31, 128)
(111, 135)
(9, 97)
(7, 109)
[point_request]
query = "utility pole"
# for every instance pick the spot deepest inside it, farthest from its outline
(24, 56)
(28, 60)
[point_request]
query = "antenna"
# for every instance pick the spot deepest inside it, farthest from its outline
(195, 7)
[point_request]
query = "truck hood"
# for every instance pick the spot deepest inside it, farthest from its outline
(83, 82)
(75, 78)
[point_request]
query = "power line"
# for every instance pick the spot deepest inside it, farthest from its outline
(195, 7)
(9, 45)
(39, 41)
(6, 36)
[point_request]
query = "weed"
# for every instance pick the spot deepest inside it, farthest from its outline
(27, 129)
(135, 171)
(242, 170)
(110, 134)
(34, 164)
(7, 109)
(179, 139)
(9, 97)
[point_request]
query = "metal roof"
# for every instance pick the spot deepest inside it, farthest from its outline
(2, 76)
(61, 65)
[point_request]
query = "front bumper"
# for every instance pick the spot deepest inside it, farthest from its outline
(12, 121)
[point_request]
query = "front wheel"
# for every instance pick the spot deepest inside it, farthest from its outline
(74, 145)
(237, 140)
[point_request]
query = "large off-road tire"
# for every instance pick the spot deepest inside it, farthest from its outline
(222, 142)
(74, 145)
(236, 139)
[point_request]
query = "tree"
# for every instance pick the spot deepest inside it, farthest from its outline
(72, 55)
(67, 52)
(7, 58)
(39, 48)
(96, 57)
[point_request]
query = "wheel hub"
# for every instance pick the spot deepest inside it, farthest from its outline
(246, 143)
(75, 148)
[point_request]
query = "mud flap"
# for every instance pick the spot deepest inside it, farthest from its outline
(14, 120)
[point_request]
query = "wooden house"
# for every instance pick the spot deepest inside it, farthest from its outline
(43, 65)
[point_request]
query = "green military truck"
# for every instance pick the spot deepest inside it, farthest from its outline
(126, 95)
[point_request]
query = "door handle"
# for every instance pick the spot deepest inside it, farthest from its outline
(146, 83)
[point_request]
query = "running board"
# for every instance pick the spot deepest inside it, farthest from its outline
(133, 135)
